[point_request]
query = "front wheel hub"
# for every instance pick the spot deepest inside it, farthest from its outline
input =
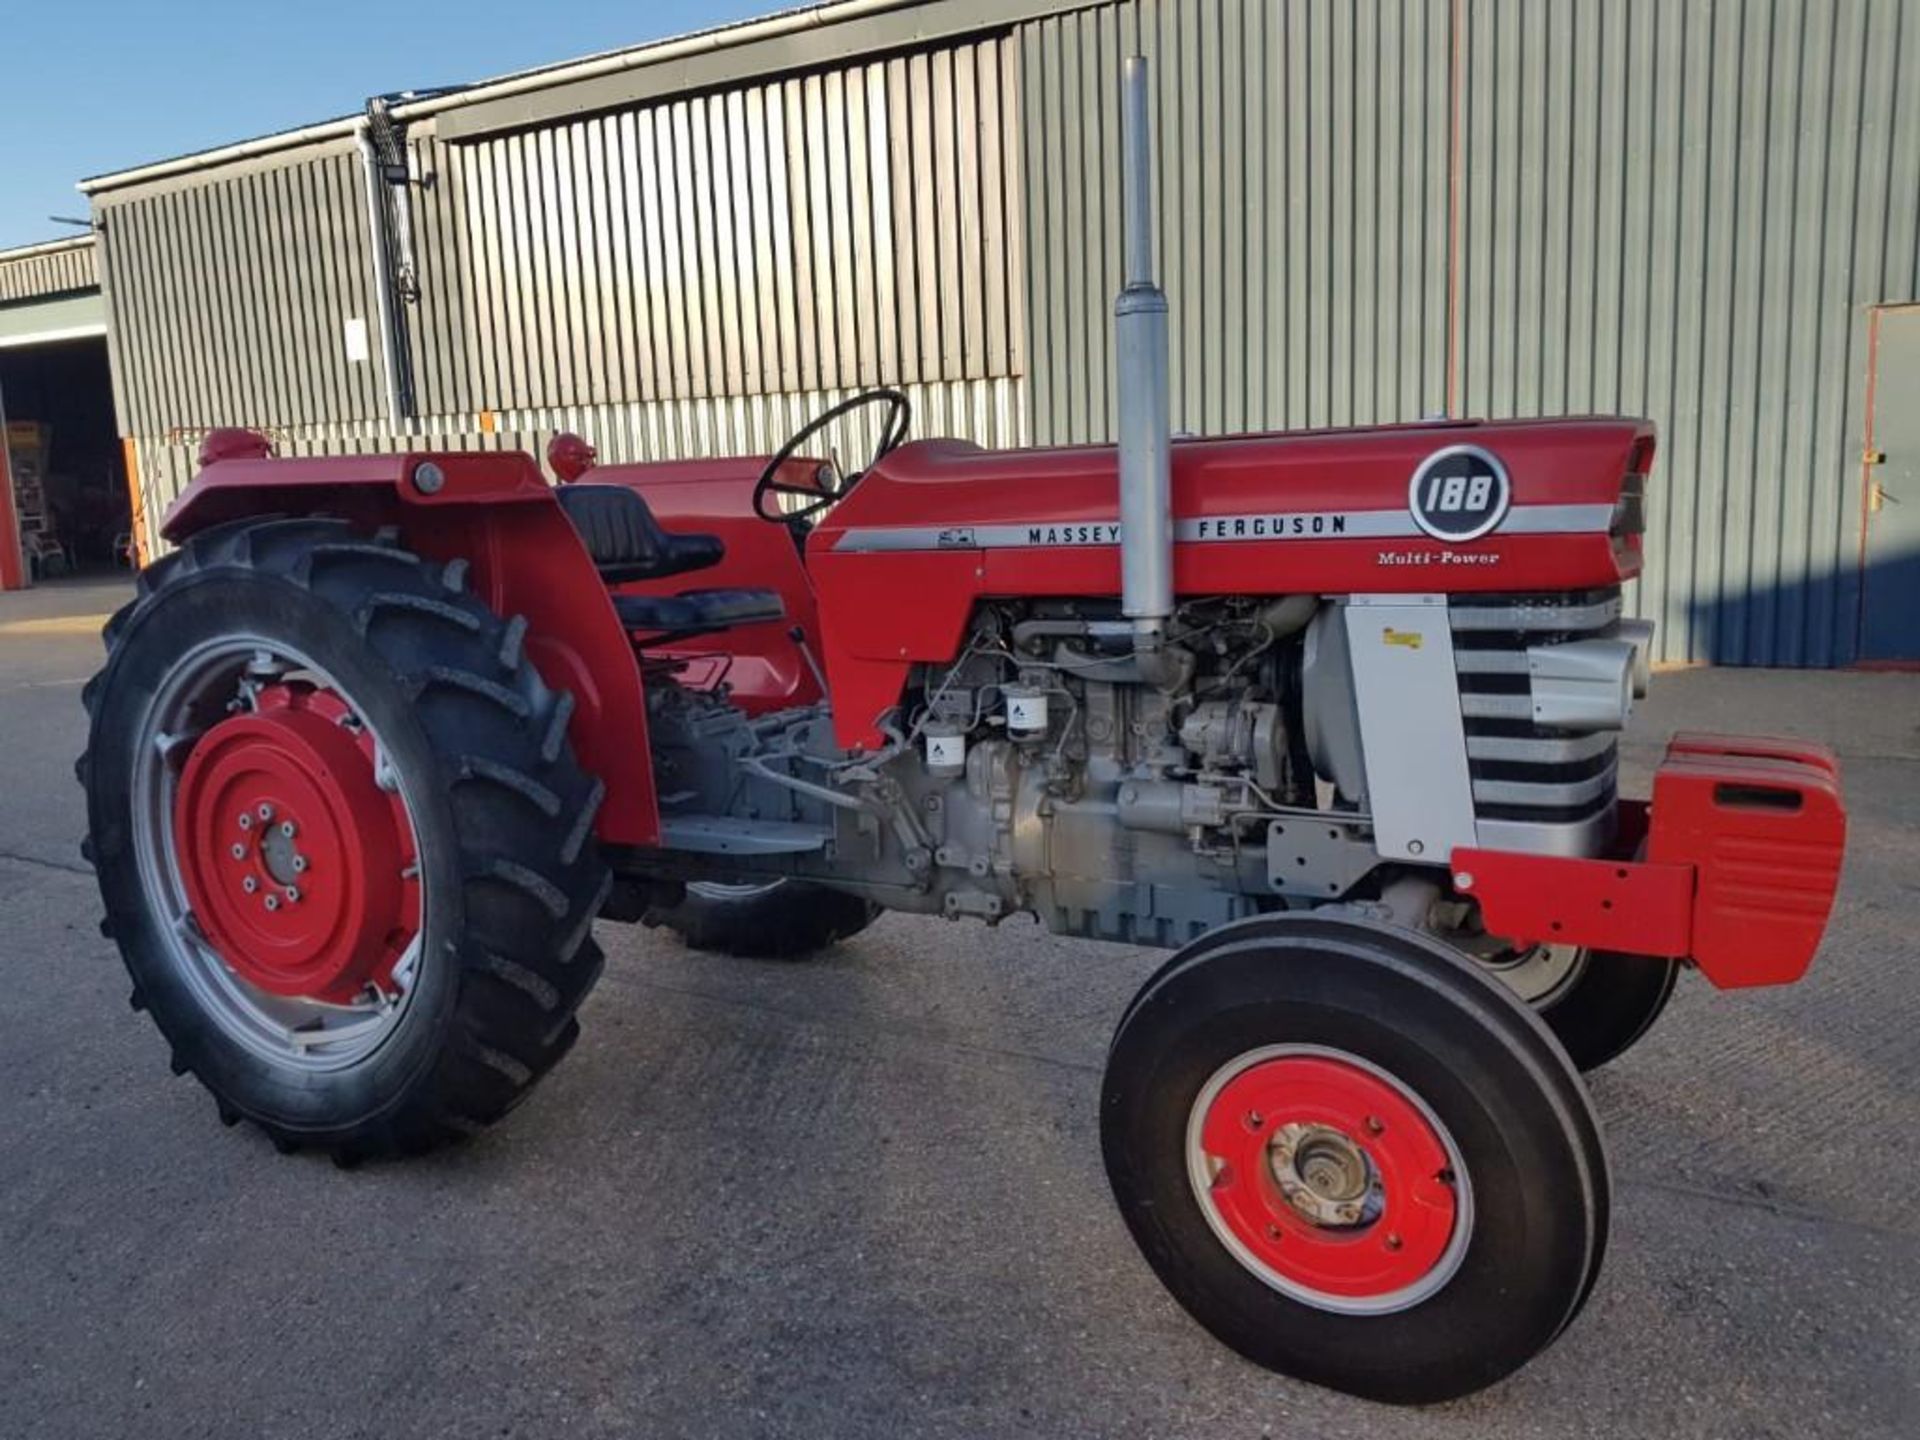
(1329, 1179)
(300, 869)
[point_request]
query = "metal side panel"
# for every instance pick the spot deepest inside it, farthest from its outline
(1410, 726)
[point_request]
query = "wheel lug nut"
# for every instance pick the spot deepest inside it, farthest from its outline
(239, 852)
(266, 813)
(293, 894)
(273, 902)
(246, 821)
(1375, 1125)
(299, 864)
(1273, 1232)
(1255, 1120)
(1394, 1242)
(286, 828)
(249, 884)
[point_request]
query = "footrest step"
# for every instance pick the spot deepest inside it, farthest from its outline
(724, 835)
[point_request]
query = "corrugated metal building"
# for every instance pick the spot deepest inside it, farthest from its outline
(63, 489)
(39, 272)
(1699, 210)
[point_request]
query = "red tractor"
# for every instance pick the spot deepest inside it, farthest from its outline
(1332, 716)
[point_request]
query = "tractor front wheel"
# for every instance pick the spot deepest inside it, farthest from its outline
(343, 843)
(1353, 1158)
(1597, 1003)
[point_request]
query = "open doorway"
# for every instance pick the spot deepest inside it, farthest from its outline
(70, 499)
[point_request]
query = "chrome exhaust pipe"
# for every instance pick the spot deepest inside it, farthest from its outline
(1145, 429)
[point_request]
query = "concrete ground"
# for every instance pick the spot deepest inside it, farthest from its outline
(863, 1196)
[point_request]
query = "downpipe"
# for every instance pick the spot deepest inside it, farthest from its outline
(1145, 432)
(392, 374)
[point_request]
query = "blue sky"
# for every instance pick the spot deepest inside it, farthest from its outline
(87, 87)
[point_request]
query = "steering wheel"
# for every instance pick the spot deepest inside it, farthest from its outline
(893, 430)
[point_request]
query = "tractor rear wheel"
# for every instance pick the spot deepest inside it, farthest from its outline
(344, 846)
(766, 920)
(1353, 1158)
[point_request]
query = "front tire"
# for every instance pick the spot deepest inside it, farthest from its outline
(1353, 1159)
(342, 841)
(1610, 1006)
(1598, 1003)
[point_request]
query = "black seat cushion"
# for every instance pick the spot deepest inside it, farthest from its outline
(624, 539)
(698, 611)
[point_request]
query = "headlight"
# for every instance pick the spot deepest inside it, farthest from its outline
(1582, 685)
(1639, 634)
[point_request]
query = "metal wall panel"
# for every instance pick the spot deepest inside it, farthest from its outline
(1683, 211)
(1300, 163)
(823, 231)
(37, 270)
(231, 296)
(447, 267)
(1678, 208)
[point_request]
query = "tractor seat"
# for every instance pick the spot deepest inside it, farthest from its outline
(698, 611)
(624, 539)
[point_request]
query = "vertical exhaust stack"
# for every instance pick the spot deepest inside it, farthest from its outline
(1140, 342)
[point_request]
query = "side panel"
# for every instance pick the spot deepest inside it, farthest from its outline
(881, 615)
(1408, 695)
(951, 485)
(524, 558)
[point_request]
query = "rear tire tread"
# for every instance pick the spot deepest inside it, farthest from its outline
(373, 605)
(479, 769)
(449, 678)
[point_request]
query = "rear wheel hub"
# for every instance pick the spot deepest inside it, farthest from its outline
(299, 866)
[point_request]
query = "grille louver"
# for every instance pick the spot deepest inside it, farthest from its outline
(1523, 772)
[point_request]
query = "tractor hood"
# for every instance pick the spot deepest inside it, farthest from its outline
(1514, 507)
(1406, 500)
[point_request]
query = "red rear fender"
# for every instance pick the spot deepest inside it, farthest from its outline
(497, 512)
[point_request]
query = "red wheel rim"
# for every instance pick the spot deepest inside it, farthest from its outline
(300, 870)
(1329, 1179)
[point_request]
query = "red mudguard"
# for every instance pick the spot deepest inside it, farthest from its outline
(1733, 865)
(497, 512)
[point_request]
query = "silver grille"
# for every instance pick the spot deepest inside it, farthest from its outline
(1534, 787)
